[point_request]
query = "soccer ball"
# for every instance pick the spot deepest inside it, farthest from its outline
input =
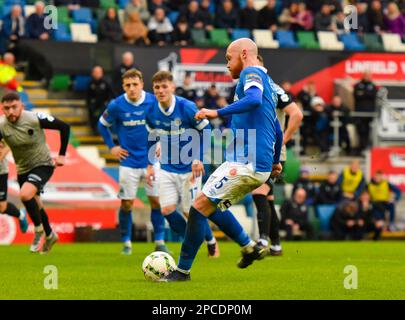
(157, 265)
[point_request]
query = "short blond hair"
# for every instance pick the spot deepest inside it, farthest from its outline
(132, 73)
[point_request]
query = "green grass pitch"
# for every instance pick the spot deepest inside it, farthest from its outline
(307, 270)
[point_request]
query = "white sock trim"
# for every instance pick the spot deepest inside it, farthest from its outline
(183, 271)
(212, 241)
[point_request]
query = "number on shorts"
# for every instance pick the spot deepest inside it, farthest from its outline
(193, 192)
(221, 183)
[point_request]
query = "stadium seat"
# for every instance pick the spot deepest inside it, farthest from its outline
(200, 37)
(286, 39)
(219, 37)
(392, 42)
(372, 42)
(264, 39)
(81, 83)
(60, 82)
(62, 33)
(307, 39)
(324, 213)
(82, 15)
(81, 32)
(25, 100)
(240, 33)
(328, 41)
(351, 42)
(105, 4)
(122, 3)
(173, 16)
(63, 15)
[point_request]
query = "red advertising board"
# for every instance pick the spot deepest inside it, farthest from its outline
(391, 161)
(63, 221)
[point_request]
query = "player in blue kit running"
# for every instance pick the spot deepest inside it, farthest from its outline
(171, 120)
(127, 112)
(253, 114)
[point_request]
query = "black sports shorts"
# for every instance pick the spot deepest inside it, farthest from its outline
(38, 176)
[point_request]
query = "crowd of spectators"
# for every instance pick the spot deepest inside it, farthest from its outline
(162, 22)
(317, 130)
(360, 207)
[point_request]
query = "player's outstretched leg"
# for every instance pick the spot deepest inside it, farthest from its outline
(50, 236)
(212, 244)
(158, 222)
(125, 221)
(263, 218)
(176, 221)
(275, 248)
(227, 222)
(33, 211)
(11, 210)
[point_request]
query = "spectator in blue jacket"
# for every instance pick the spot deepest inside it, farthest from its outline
(12, 30)
(36, 23)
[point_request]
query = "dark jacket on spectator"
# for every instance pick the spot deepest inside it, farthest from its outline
(99, 93)
(267, 17)
(225, 20)
(322, 22)
(365, 93)
(110, 30)
(329, 193)
(249, 18)
(294, 211)
(35, 26)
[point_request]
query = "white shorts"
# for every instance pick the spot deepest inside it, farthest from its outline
(130, 179)
(231, 181)
(176, 188)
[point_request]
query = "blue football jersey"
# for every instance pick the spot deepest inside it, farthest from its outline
(173, 127)
(128, 119)
(257, 127)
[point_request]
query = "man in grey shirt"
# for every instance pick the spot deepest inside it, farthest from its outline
(23, 131)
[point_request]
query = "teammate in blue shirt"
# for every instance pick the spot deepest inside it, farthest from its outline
(127, 112)
(253, 115)
(172, 121)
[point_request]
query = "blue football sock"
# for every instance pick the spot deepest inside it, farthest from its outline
(125, 220)
(158, 222)
(195, 232)
(208, 232)
(227, 222)
(177, 222)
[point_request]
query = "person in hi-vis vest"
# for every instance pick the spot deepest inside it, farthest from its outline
(384, 193)
(352, 181)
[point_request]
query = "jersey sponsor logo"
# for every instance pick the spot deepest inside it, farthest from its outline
(170, 132)
(44, 116)
(133, 123)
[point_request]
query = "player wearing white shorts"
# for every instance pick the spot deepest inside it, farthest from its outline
(127, 112)
(170, 120)
(249, 161)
